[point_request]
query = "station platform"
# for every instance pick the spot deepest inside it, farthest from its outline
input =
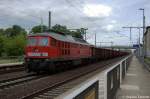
(10, 64)
(99, 84)
(136, 84)
(96, 85)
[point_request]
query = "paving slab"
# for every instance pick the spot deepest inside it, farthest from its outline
(136, 84)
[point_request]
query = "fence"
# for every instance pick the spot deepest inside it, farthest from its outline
(114, 76)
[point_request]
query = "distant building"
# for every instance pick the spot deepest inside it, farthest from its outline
(147, 42)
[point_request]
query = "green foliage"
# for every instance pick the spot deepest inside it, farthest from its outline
(77, 33)
(1, 44)
(39, 29)
(1, 31)
(12, 41)
(59, 28)
(15, 46)
(14, 31)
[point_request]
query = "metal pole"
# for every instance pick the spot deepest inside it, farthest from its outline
(85, 33)
(112, 45)
(130, 34)
(139, 36)
(49, 22)
(143, 21)
(41, 25)
(130, 27)
(95, 39)
(139, 42)
(144, 43)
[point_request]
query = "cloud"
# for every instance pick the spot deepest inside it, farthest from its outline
(26, 13)
(99, 16)
(109, 27)
(97, 10)
(113, 21)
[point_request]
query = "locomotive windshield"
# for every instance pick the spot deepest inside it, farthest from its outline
(43, 41)
(32, 41)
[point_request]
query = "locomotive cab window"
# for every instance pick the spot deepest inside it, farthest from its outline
(32, 41)
(43, 41)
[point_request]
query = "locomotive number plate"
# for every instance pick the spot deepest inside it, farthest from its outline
(37, 54)
(34, 54)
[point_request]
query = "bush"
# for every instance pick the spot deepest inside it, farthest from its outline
(1, 44)
(15, 46)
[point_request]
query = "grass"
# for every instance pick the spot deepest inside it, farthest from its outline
(10, 60)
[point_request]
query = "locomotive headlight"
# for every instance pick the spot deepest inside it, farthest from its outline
(44, 54)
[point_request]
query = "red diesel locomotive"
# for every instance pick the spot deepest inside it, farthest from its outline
(51, 51)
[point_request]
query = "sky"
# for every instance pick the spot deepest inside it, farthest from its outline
(105, 18)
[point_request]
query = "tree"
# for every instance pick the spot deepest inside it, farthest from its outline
(14, 31)
(1, 44)
(77, 33)
(1, 31)
(8, 32)
(58, 28)
(12, 40)
(15, 46)
(61, 28)
(39, 29)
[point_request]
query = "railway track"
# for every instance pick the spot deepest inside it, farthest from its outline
(11, 68)
(36, 88)
(40, 94)
(18, 80)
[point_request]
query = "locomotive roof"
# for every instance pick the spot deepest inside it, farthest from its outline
(65, 38)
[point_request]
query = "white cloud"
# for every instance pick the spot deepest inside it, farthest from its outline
(113, 21)
(97, 10)
(109, 27)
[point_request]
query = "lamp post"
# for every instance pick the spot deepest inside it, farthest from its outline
(139, 43)
(144, 43)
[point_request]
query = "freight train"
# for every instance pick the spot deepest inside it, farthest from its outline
(55, 50)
